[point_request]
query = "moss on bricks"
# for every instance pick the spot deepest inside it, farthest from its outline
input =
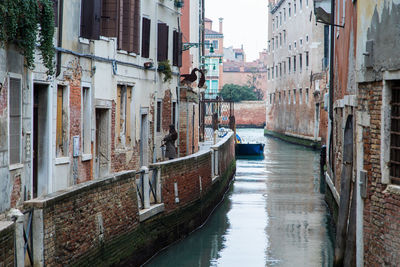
(294, 140)
(150, 236)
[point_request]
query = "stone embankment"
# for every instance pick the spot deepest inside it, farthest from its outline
(127, 217)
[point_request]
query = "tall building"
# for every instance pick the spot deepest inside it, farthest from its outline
(214, 52)
(296, 70)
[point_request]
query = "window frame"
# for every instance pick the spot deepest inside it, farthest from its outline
(18, 164)
(84, 119)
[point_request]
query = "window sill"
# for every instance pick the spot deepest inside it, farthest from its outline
(15, 166)
(63, 160)
(86, 157)
(123, 52)
(393, 189)
(84, 40)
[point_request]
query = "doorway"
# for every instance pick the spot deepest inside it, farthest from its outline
(40, 155)
(102, 151)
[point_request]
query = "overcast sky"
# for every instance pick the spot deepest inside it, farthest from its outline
(245, 22)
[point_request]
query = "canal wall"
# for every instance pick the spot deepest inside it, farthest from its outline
(7, 234)
(107, 222)
(250, 114)
(295, 139)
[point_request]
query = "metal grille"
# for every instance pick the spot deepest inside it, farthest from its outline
(395, 136)
(214, 114)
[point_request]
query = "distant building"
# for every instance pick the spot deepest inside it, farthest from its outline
(213, 61)
(296, 67)
(234, 54)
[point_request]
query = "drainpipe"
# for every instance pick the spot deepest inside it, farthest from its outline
(155, 84)
(178, 101)
(60, 33)
(331, 73)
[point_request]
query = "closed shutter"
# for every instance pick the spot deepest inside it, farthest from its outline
(59, 129)
(180, 49)
(175, 49)
(127, 25)
(90, 19)
(15, 121)
(162, 44)
(136, 27)
(109, 18)
(117, 115)
(146, 23)
(55, 9)
(128, 115)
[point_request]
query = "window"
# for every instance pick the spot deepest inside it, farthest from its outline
(284, 36)
(214, 86)
(294, 63)
(90, 25)
(276, 39)
(15, 117)
(284, 14)
(122, 115)
(300, 96)
(279, 97)
(394, 136)
(269, 46)
(290, 47)
(207, 44)
(289, 11)
(215, 44)
(300, 4)
(270, 98)
(295, 45)
(307, 38)
(158, 128)
(284, 67)
(294, 9)
(301, 42)
(269, 73)
(294, 96)
(212, 66)
(272, 71)
(62, 122)
(307, 60)
(146, 23)
(86, 120)
(273, 44)
(289, 65)
(280, 69)
(177, 49)
(280, 18)
(273, 24)
(276, 71)
(306, 95)
(280, 39)
(162, 42)
(300, 62)
(288, 96)
(307, 3)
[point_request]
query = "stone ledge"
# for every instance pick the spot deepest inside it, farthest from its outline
(6, 225)
(145, 214)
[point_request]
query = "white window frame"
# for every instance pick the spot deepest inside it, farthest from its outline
(85, 155)
(19, 164)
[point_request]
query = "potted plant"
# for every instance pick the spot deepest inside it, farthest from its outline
(178, 3)
(165, 68)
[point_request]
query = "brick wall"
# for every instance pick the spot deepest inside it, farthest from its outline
(250, 113)
(77, 222)
(7, 230)
(382, 206)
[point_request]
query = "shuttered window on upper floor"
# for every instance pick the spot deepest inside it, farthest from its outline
(177, 54)
(112, 18)
(146, 25)
(15, 125)
(162, 44)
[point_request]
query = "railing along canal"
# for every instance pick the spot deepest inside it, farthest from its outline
(148, 187)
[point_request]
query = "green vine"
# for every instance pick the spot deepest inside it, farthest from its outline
(19, 20)
(165, 68)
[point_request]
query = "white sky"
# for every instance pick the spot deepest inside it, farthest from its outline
(245, 22)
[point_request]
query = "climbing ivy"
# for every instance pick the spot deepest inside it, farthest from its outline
(19, 24)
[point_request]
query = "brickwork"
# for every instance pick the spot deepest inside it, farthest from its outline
(381, 207)
(7, 244)
(166, 111)
(81, 220)
(250, 113)
(188, 122)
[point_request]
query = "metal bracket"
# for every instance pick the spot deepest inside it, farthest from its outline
(335, 25)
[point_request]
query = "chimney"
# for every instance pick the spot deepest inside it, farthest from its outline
(220, 25)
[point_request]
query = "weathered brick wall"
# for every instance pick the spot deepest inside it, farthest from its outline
(250, 113)
(7, 231)
(381, 207)
(186, 172)
(79, 221)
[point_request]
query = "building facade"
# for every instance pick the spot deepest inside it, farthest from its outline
(296, 70)
(214, 53)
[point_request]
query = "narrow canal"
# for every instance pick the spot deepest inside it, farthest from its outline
(273, 215)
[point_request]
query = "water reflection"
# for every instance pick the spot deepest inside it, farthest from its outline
(274, 215)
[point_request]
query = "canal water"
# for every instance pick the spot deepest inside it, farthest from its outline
(273, 215)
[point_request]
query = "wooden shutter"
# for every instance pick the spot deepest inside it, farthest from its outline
(59, 129)
(175, 49)
(117, 115)
(109, 18)
(127, 25)
(136, 27)
(90, 19)
(55, 10)
(128, 114)
(146, 23)
(180, 49)
(15, 120)
(162, 44)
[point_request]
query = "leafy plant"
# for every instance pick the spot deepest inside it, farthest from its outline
(238, 93)
(165, 68)
(19, 20)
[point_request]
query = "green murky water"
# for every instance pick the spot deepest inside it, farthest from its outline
(273, 215)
